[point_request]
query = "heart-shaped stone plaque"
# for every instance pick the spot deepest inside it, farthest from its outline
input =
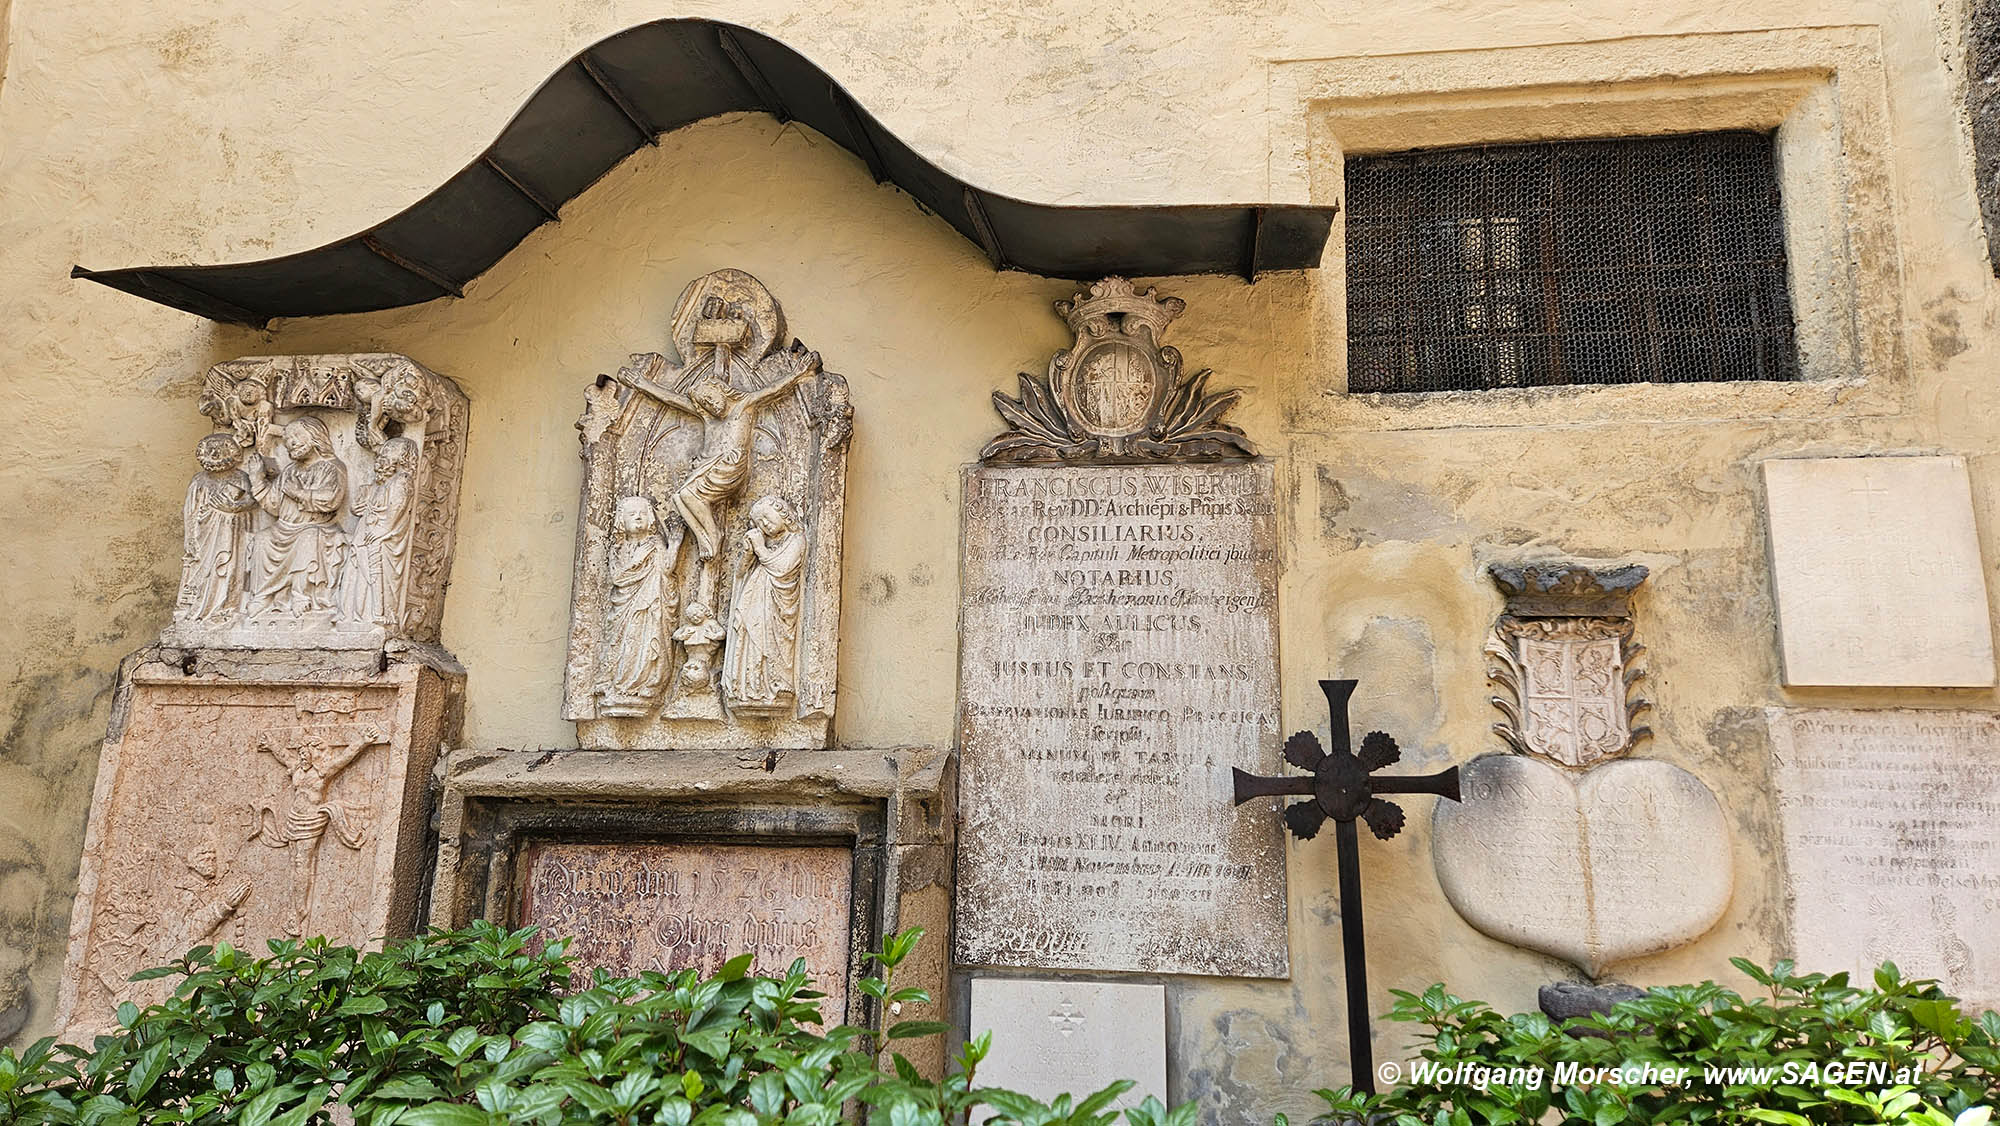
(1628, 859)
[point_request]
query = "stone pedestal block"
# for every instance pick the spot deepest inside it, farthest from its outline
(240, 802)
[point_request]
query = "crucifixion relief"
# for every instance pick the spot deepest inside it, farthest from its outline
(707, 584)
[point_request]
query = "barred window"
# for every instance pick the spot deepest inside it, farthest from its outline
(1650, 260)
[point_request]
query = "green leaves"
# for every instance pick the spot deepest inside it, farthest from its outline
(1810, 1050)
(480, 1026)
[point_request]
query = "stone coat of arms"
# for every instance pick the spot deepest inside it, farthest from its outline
(1565, 661)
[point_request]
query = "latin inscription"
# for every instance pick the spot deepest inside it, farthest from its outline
(1890, 851)
(1119, 656)
(633, 907)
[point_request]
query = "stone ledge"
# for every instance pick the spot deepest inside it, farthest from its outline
(862, 772)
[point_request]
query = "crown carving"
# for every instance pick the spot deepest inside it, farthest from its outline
(1567, 590)
(1115, 305)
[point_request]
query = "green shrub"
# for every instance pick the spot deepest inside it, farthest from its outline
(469, 1028)
(1915, 1059)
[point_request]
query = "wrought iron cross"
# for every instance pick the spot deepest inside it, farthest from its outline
(1341, 787)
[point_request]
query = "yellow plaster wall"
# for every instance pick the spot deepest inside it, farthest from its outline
(134, 133)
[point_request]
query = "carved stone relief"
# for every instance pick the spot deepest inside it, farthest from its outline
(1565, 662)
(1116, 395)
(250, 809)
(707, 592)
(322, 511)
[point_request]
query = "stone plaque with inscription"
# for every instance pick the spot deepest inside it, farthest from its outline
(1876, 571)
(1072, 1037)
(1594, 867)
(1118, 657)
(659, 906)
(1890, 850)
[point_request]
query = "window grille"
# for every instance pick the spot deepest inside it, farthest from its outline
(1651, 260)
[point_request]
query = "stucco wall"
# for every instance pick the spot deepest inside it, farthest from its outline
(134, 133)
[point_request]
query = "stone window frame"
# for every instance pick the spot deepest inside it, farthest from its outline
(1824, 92)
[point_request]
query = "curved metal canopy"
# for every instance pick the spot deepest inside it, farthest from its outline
(626, 91)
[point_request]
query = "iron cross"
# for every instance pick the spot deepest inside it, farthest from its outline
(1341, 788)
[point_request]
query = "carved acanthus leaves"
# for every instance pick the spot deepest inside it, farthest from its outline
(1567, 681)
(1117, 394)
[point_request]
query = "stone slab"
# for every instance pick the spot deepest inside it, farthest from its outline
(1627, 859)
(1118, 657)
(1888, 820)
(659, 906)
(1072, 1037)
(1876, 571)
(240, 811)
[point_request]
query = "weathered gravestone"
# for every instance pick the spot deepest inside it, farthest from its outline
(1876, 570)
(1566, 846)
(1118, 658)
(658, 906)
(265, 775)
(1072, 1037)
(1890, 852)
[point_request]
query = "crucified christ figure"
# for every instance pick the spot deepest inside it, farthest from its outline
(727, 418)
(313, 765)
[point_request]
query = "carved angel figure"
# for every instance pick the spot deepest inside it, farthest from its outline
(641, 604)
(295, 563)
(377, 571)
(312, 765)
(762, 643)
(699, 634)
(217, 524)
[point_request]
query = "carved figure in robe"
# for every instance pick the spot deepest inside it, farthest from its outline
(216, 519)
(377, 571)
(312, 764)
(727, 418)
(297, 560)
(761, 650)
(641, 604)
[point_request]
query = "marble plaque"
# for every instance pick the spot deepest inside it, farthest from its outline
(1118, 657)
(1890, 850)
(1072, 1037)
(1875, 565)
(1628, 859)
(654, 906)
(244, 810)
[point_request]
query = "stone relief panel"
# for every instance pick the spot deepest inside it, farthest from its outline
(245, 810)
(707, 594)
(322, 510)
(1565, 661)
(1117, 395)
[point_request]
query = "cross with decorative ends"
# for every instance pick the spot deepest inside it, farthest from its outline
(1342, 787)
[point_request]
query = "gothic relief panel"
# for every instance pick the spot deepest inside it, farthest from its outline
(322, 509)
(240, 811)
(707, 590)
